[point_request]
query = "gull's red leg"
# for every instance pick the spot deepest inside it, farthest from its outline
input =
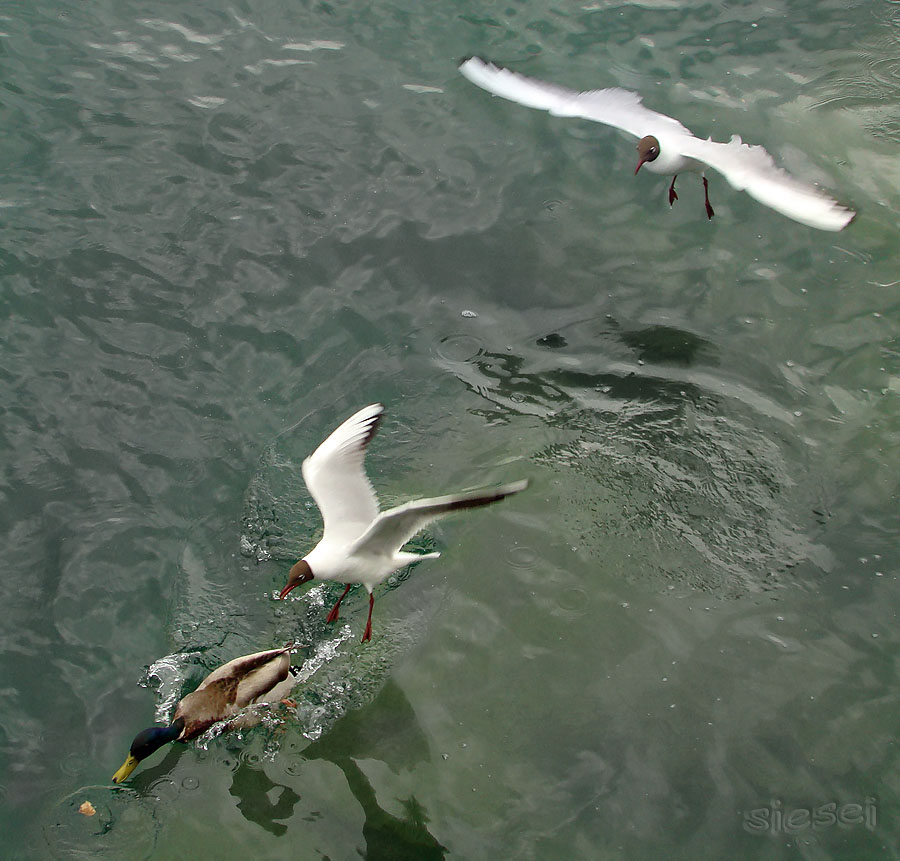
(672, 196)
(333, 615)
(368, 634)
(709, 209)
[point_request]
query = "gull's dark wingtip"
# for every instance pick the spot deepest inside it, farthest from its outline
(374, 425)
(486, 496)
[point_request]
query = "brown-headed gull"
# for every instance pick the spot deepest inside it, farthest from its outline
(361, 545)
(666, 146)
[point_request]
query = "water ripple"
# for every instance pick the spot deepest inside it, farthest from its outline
(662, 453)
(121, 826)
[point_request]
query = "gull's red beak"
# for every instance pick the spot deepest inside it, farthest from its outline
(301, 573)
(639, 165)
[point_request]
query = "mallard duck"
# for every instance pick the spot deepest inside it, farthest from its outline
(262, 677)
(361, 545)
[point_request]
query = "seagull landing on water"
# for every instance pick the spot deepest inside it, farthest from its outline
(361, 545)
(667, 147)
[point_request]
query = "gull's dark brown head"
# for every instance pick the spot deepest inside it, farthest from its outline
(648, 150)
(301, 573)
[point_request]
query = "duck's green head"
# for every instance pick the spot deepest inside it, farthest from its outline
(146, 742)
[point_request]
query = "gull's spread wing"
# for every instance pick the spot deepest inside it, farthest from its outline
(335, 477)
(614, 107)
(393, 528)
(752, 169)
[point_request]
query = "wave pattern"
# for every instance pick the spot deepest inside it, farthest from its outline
(677, 469)
(225, 227)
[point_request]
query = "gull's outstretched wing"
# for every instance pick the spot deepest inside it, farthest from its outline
(393, 528)
(336, 479)
(752, 169)
(614, 107)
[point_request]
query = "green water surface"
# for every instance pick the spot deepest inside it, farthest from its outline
(227, 226)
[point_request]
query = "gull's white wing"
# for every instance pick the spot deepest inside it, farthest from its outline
(393, 528)
(614, 107)
(752, 169)
(336, 479)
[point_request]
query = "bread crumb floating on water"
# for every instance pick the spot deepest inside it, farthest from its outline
(87, 809)
(467, 313)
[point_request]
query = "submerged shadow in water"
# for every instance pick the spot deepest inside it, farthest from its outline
(388, 730)
(253, 787)
(389, 837)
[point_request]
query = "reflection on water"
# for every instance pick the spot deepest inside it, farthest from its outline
(268, 775)
(261, 800)
(388, 836)
(667, 345)
(386, 730)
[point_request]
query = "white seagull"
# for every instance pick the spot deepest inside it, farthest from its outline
(361, 545)
(667, 147)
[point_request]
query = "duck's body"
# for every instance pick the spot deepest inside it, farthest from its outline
(361, 545)
(263, 677)
(666, 146)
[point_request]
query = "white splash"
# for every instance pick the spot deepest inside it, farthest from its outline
(170, 675)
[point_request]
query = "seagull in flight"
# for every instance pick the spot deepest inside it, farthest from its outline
(666, 147)
(361, 544)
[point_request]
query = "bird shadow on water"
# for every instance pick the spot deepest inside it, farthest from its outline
(268, 791)
(387, 730)
(254, 790)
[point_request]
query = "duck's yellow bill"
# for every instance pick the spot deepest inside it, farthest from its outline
(128, 766)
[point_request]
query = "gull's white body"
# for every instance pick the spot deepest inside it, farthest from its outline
(360, 544)
(337, 481)
(367, 565)
(747, 168)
